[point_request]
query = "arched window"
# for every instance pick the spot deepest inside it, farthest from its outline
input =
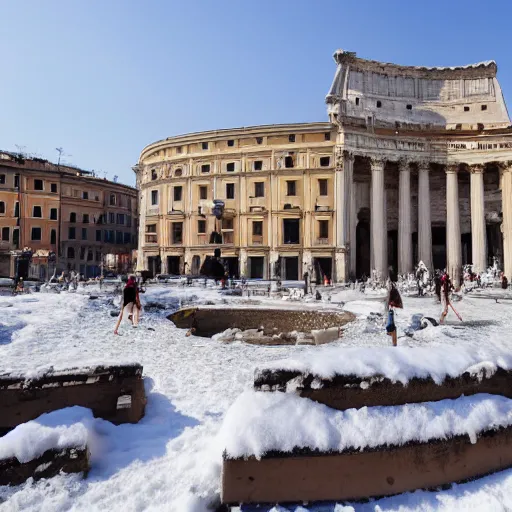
(154, 175)
(196, 264)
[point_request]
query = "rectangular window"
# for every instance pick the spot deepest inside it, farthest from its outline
(53, 188)
(177, 232)
(120, 219)
(16, 209)
(53, 213)
(98, 235)
(154, 197)
(38, 185)
(230, 167)
(258, 165)
(227, 223)
(259, 189)
(259, 140)
(178, 193)
(85, 218)
(84, 233)
(291, 138)
(291, 231)
(126, 238)
(257, 228)
(72, 233)
(90, 255)
(72, 217)
(5, 234)
(323, 229)
(111, 218)
(201, 226)
(85, 195)
(178, 150)
(36, 234)
(53, 237)
(288, 161)
(327, 136)
(151, 228)
(231, 143)
(16, 181)
(2, 179)
(203, 192)
(119, 237)
(204, 145)
(112, 200)
(230, 191)
(290, 188)
(325, 161)
(37, 212)
(205, 168)
(322, 187)
(2, 208)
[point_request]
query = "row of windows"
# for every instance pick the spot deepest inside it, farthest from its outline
(85, 254)
(259, 190)
(36, 235)
(111, 218)
(108, 236)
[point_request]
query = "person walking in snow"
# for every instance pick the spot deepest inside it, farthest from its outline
(131, 304)
(446, 288)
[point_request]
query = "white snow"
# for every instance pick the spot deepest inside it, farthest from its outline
(171, 460)
(57, 430)
(258, 423)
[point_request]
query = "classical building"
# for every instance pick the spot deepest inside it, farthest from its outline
(414, 164)
(86, 222)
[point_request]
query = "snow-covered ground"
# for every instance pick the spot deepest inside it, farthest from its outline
(171, 460)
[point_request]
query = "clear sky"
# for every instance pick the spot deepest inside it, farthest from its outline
(103, 78)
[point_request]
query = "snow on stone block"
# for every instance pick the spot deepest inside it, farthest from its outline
(104, 390)
(274, 440)
(42, 448)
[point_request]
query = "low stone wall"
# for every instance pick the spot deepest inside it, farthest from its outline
(209, 321)
(114, 393)
(51, 463)
(282, 478)
(349, 391)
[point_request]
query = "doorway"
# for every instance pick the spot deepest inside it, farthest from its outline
(363, 249)
(256, 267)
(393, 249)
(154, 265)
(323, 267)
(439, 247)
(173, 265)
(232, 264)
(196, 265)
(291, 231)
(290, 268)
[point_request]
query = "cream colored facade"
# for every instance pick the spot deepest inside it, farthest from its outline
(417, 164)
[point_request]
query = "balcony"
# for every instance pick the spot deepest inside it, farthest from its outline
(202, 239)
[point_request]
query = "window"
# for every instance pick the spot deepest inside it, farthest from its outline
(85, 195)
(96, 197)
(323, 229)
(154, 175)
(2, 179)
(466, 109)
(291, 138)
(204, 145)
(482, 107)
(82, 253)
(2, 208)
(98, 235)
(201, 226)
(98, 256)
(90, 255)
(53, 213)
(257, 228)
(84, 233)
(325, 161)
(111, 218)
(231, 143)
(126, 238)
(357, 101)
(85, 218)
(179, 150)
(379, 104)
(178, 193)
(37, 212)
(458, 126)
(322, 187)
(72, 233)
(53, 188)
(154, 197)
(288, 161)
(203, 192)
(230, 166)
(72, 217)
(53, 237)
(16, 181)
(71, 253)
(227, 224)
(177, 232)
(5, 234)
(258, 165)
(178, 172)
(112, 200)
(291, 188)
(230, 191)
(259, 189)
(120, 219)
(259, 140)
(36, 234)
(408, 107)
(291, 231)
(205, 168)
(327, 136)
(38, 185)
(119, 237)
(16, 209)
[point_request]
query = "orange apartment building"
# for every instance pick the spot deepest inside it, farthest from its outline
(65, 217)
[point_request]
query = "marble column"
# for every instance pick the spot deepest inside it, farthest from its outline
(478, 234)
(404, 219)
(506, 227)
(378, 219)
(341, 212)
(453, 242)
(424, 216)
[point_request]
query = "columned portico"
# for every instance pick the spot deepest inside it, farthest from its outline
(478, 236)
(404, 219)
(453, 241)
(506, 193)
(424, 215)
(378, 219)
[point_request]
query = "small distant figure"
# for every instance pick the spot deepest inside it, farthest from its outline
(446, 289)
(20, 287)
(504, 281)
(131, 304)
(394, 301)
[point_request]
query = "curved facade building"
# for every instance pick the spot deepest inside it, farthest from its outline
(414, 163)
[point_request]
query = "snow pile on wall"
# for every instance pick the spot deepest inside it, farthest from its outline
(399, 364)
(258, 423)
(57, 430)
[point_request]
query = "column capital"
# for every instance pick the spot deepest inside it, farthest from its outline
(423, 165)
(476, 168)
(452, 168)
(404, 164)
(377, 164)
(349, 156)
(504, 166)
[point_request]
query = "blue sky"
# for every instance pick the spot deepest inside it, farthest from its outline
(103, 78)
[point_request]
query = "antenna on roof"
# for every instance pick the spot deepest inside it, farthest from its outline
(116, 177)
(21, 149)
